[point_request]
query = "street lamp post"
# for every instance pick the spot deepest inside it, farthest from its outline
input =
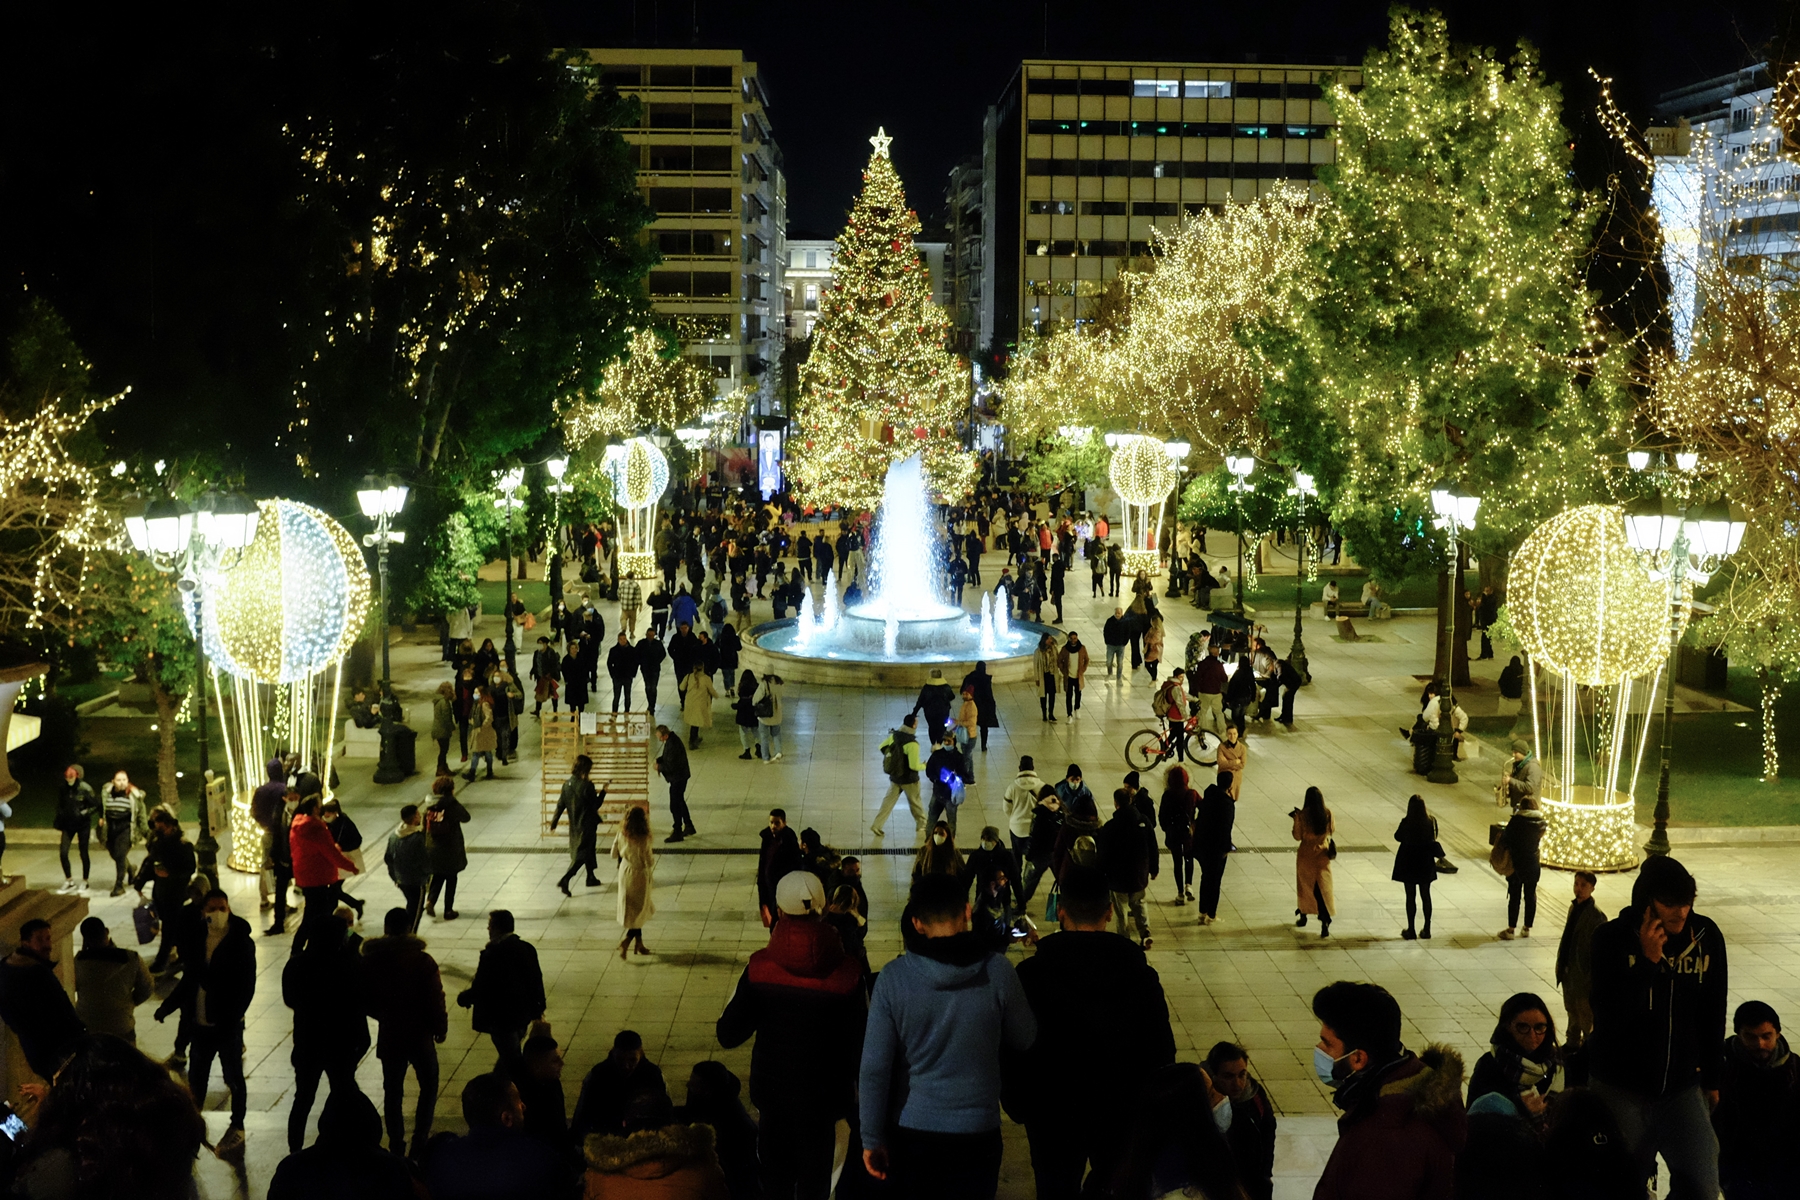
(381, 501)
(1240, 466)
(558, 467)
(1303, 487)
(508, 484)
(1455, 510)
(1679, 544)
(195, 543)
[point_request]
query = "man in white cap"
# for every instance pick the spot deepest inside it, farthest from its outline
(802, 999)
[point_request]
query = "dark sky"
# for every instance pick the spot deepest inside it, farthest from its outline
(835, 69)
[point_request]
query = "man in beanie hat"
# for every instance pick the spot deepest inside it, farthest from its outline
(1658, 995)
(1524, 774)
(801, 998)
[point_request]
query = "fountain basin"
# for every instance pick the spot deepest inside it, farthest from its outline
(857, 658)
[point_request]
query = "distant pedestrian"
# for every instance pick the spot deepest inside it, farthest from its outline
(1415, 863)
(697, 702)
(622, 668)
(167, 867)
(1214, 818)
(546, 675)
(76, 810)
(1575, 960)
(769, 716)
(902, 764)
(1313, 829)
(1175, 817)
(1521, 837)
(1072, 665)
(650, 656)
(636, 883)
(122, 810)
(672, 764)
(987, 714)
(582, 804)
(405, 995)
(409, 862)
(443, 723)
(1129, 860)
(444, 846)
(213, 997)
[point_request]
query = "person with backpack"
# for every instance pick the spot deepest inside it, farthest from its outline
(900, 762)
(1171, 704)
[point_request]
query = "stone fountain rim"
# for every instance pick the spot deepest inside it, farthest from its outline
(794, 668)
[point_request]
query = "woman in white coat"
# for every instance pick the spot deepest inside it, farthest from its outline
(636, 878)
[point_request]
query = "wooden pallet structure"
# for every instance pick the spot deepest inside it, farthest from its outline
(619, 744)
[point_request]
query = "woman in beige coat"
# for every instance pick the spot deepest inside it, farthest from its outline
(1047, 675)
(1232, 754)
(635, 878)
(697, 704)
(1313, 828)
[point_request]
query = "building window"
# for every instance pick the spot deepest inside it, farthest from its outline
(812, 263)
(712, 77)
(712, 116)
(1158, 208)
(1206, 89)
(622, 76)
(1740, 119)
(1169, 89)
(812, 295)
(1053, 208)
(1103, 208)
(711, 283)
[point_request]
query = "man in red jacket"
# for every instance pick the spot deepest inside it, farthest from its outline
(801, 997)
(1403, 1119)
(317, 861)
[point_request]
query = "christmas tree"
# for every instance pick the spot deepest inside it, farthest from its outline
(879, 386)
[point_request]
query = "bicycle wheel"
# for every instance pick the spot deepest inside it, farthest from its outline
(1145, 750)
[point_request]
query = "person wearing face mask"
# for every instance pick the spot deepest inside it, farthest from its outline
(1525, 1058)
(1242, 1112)
(1404, 1120)
(122, 809)
(991, 856)
(33, 1002)
(213, 996)
(939, 856)
(1658, 993)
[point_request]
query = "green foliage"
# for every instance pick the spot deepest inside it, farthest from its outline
(448, 580)
(131, 615)
(1055, 463)
(1265, 504)
(1451, 335)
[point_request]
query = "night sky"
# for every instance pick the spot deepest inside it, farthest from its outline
(927, 71)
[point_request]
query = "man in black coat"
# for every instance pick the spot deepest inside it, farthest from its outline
(1759, 1106)
(801, 997)
(214, 994)
(1213, 819)
(582, 803)
(1251, 1133)
(347, 1159)
(622, 668)
(507, 993)
(1129, 860)
(650, 655)
(779, 854)
(166, 871)
(611, 1087)
(323, 984)
(672, 765)
(34, 1003)
(1085, 969)
(1659, 992)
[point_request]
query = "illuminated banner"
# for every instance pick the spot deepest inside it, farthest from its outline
(768, 462)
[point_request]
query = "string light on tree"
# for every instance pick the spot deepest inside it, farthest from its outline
(647, 387)
(878, 386)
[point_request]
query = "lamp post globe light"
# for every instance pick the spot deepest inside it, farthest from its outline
(508, 483)
(1303, 487)
(1455, 510)
(1683, 544)
(381, 500)
(558, 467)
(193, 544)
(1240, 466)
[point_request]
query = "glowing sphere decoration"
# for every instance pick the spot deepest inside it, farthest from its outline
(293, 603)
(1582, 602)
(1142, 472)
(639, 472)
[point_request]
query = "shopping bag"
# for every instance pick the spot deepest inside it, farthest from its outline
(1051, 905)
(148, 926)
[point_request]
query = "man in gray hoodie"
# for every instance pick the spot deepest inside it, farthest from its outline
(939, 1017)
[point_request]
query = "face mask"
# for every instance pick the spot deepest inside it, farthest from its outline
(1222, 1115)
(216, 921)
(1325, 1067)
(987, 845)
(937, 839)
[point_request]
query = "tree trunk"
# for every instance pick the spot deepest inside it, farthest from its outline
(167, 788)
(1771, 760)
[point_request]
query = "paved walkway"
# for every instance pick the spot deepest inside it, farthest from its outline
(1248, 978)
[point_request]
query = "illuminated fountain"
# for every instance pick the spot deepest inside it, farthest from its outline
(905, 622)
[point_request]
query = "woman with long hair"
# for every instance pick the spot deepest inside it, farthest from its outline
(1523, 1062)
(844, 914)
(1175, 816)
(1153, 646)
(1415, 862)
(1313, 828)
(444, 845)
(768, 723)
(443, 723)
(486, 740)
(939, 855)
(1043, 673)
(1521, 837)
(1175, 1147)
(744, 708)
(636, 871)
(1240, 693)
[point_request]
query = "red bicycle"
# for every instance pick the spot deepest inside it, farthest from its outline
(1150, 748)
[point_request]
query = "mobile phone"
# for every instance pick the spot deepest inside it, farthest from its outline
(11, 1125)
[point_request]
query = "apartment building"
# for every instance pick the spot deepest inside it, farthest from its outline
(807, 275)
(709, 166)
(965, 255)
(1081, 160)
(1727, 181)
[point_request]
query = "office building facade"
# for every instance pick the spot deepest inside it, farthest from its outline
(807, 274)
(709, 165)
(1082, 160)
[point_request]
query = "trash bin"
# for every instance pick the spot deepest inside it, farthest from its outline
(401, 739)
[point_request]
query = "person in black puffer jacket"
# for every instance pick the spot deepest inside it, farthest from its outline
(1759, 1106)
(1521, 837)
(1524, 1060)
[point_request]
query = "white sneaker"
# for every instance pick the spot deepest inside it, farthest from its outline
(68, 885)
(777, 758)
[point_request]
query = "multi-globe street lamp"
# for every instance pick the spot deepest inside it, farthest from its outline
(508, 483)
(558, 467)
(1455, 510)
(1240, 466)
(381, 500)
(1303, 487)
(1684, 544)
(194, 543)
